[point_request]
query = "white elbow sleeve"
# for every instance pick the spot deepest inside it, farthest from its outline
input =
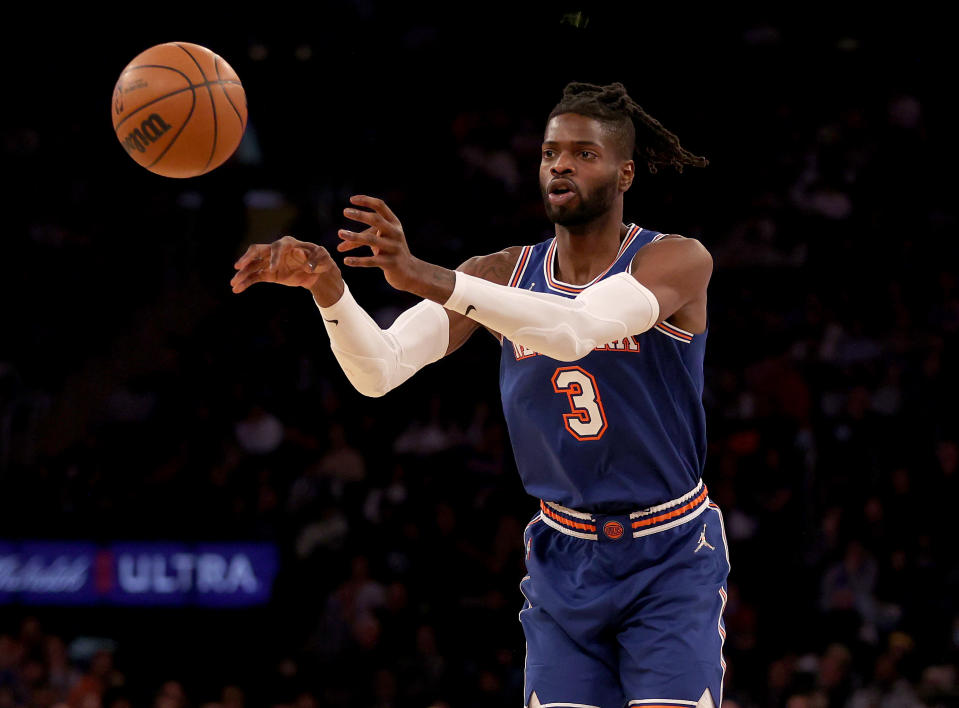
(377, 361)
(558, 327)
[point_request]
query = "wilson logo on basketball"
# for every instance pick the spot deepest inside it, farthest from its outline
(149, 131)
(613, 529)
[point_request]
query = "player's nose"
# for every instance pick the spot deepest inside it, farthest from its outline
(562, 165)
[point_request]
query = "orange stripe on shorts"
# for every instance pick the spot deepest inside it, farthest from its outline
(674, 513)
(566, 522)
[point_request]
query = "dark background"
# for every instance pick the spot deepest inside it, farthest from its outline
(134, 387)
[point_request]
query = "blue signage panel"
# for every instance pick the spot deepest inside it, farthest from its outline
(43, 572)
(235, 574)
(137, 573)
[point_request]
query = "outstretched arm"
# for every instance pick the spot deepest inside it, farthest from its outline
(374, 360)
(671, 275)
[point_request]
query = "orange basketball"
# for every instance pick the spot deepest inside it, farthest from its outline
(179, 109)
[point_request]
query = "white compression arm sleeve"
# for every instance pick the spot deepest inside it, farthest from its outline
(377, 361)
(561, 328)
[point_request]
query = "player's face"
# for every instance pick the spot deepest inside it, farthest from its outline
(580, 172)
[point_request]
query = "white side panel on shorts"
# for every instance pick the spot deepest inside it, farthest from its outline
(706, 700)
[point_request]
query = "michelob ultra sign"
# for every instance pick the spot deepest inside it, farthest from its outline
(137, 573)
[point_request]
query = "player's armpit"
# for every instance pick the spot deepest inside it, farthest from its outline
(496, 268)
(676, 270)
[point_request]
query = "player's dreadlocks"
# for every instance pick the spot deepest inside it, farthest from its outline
(634, 127)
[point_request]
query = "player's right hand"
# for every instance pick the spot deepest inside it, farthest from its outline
(286, 261)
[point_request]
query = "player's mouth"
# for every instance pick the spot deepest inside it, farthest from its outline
(560, 191)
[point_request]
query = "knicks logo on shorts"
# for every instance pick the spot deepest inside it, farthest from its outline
(613, 530)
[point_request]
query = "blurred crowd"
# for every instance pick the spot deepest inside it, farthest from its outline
(155, 405)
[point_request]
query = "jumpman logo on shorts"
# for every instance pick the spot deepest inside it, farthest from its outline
(704, 542)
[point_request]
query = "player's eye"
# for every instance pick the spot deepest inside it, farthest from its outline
(548, 154)
(587, 155)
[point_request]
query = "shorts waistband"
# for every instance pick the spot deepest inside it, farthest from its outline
(641, 523)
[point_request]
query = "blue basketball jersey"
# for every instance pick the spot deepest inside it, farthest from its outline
(622, 428)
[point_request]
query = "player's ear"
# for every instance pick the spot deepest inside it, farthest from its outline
(627, 172)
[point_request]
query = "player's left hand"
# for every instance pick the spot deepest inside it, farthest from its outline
(385, 239)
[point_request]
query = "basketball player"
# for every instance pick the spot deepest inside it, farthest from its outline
(603, 330)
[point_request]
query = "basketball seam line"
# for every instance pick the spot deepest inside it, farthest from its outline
(178, 133)
(186, 120)
(136, 110)
(212, 105)
(216, 66)
(148, 103)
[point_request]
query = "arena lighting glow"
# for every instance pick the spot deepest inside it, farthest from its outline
(137, 573)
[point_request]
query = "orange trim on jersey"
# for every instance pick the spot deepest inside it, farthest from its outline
(674, 513)
(521, 264)
(674, 331)
(564, 521)
(556, 285)
(722, 631)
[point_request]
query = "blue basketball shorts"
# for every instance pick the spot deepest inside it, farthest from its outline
(625, 610)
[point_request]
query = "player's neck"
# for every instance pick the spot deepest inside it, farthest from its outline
(585, 251)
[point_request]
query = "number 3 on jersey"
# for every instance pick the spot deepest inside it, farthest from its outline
(587, 421)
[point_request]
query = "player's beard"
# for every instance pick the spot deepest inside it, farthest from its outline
(586, 207)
